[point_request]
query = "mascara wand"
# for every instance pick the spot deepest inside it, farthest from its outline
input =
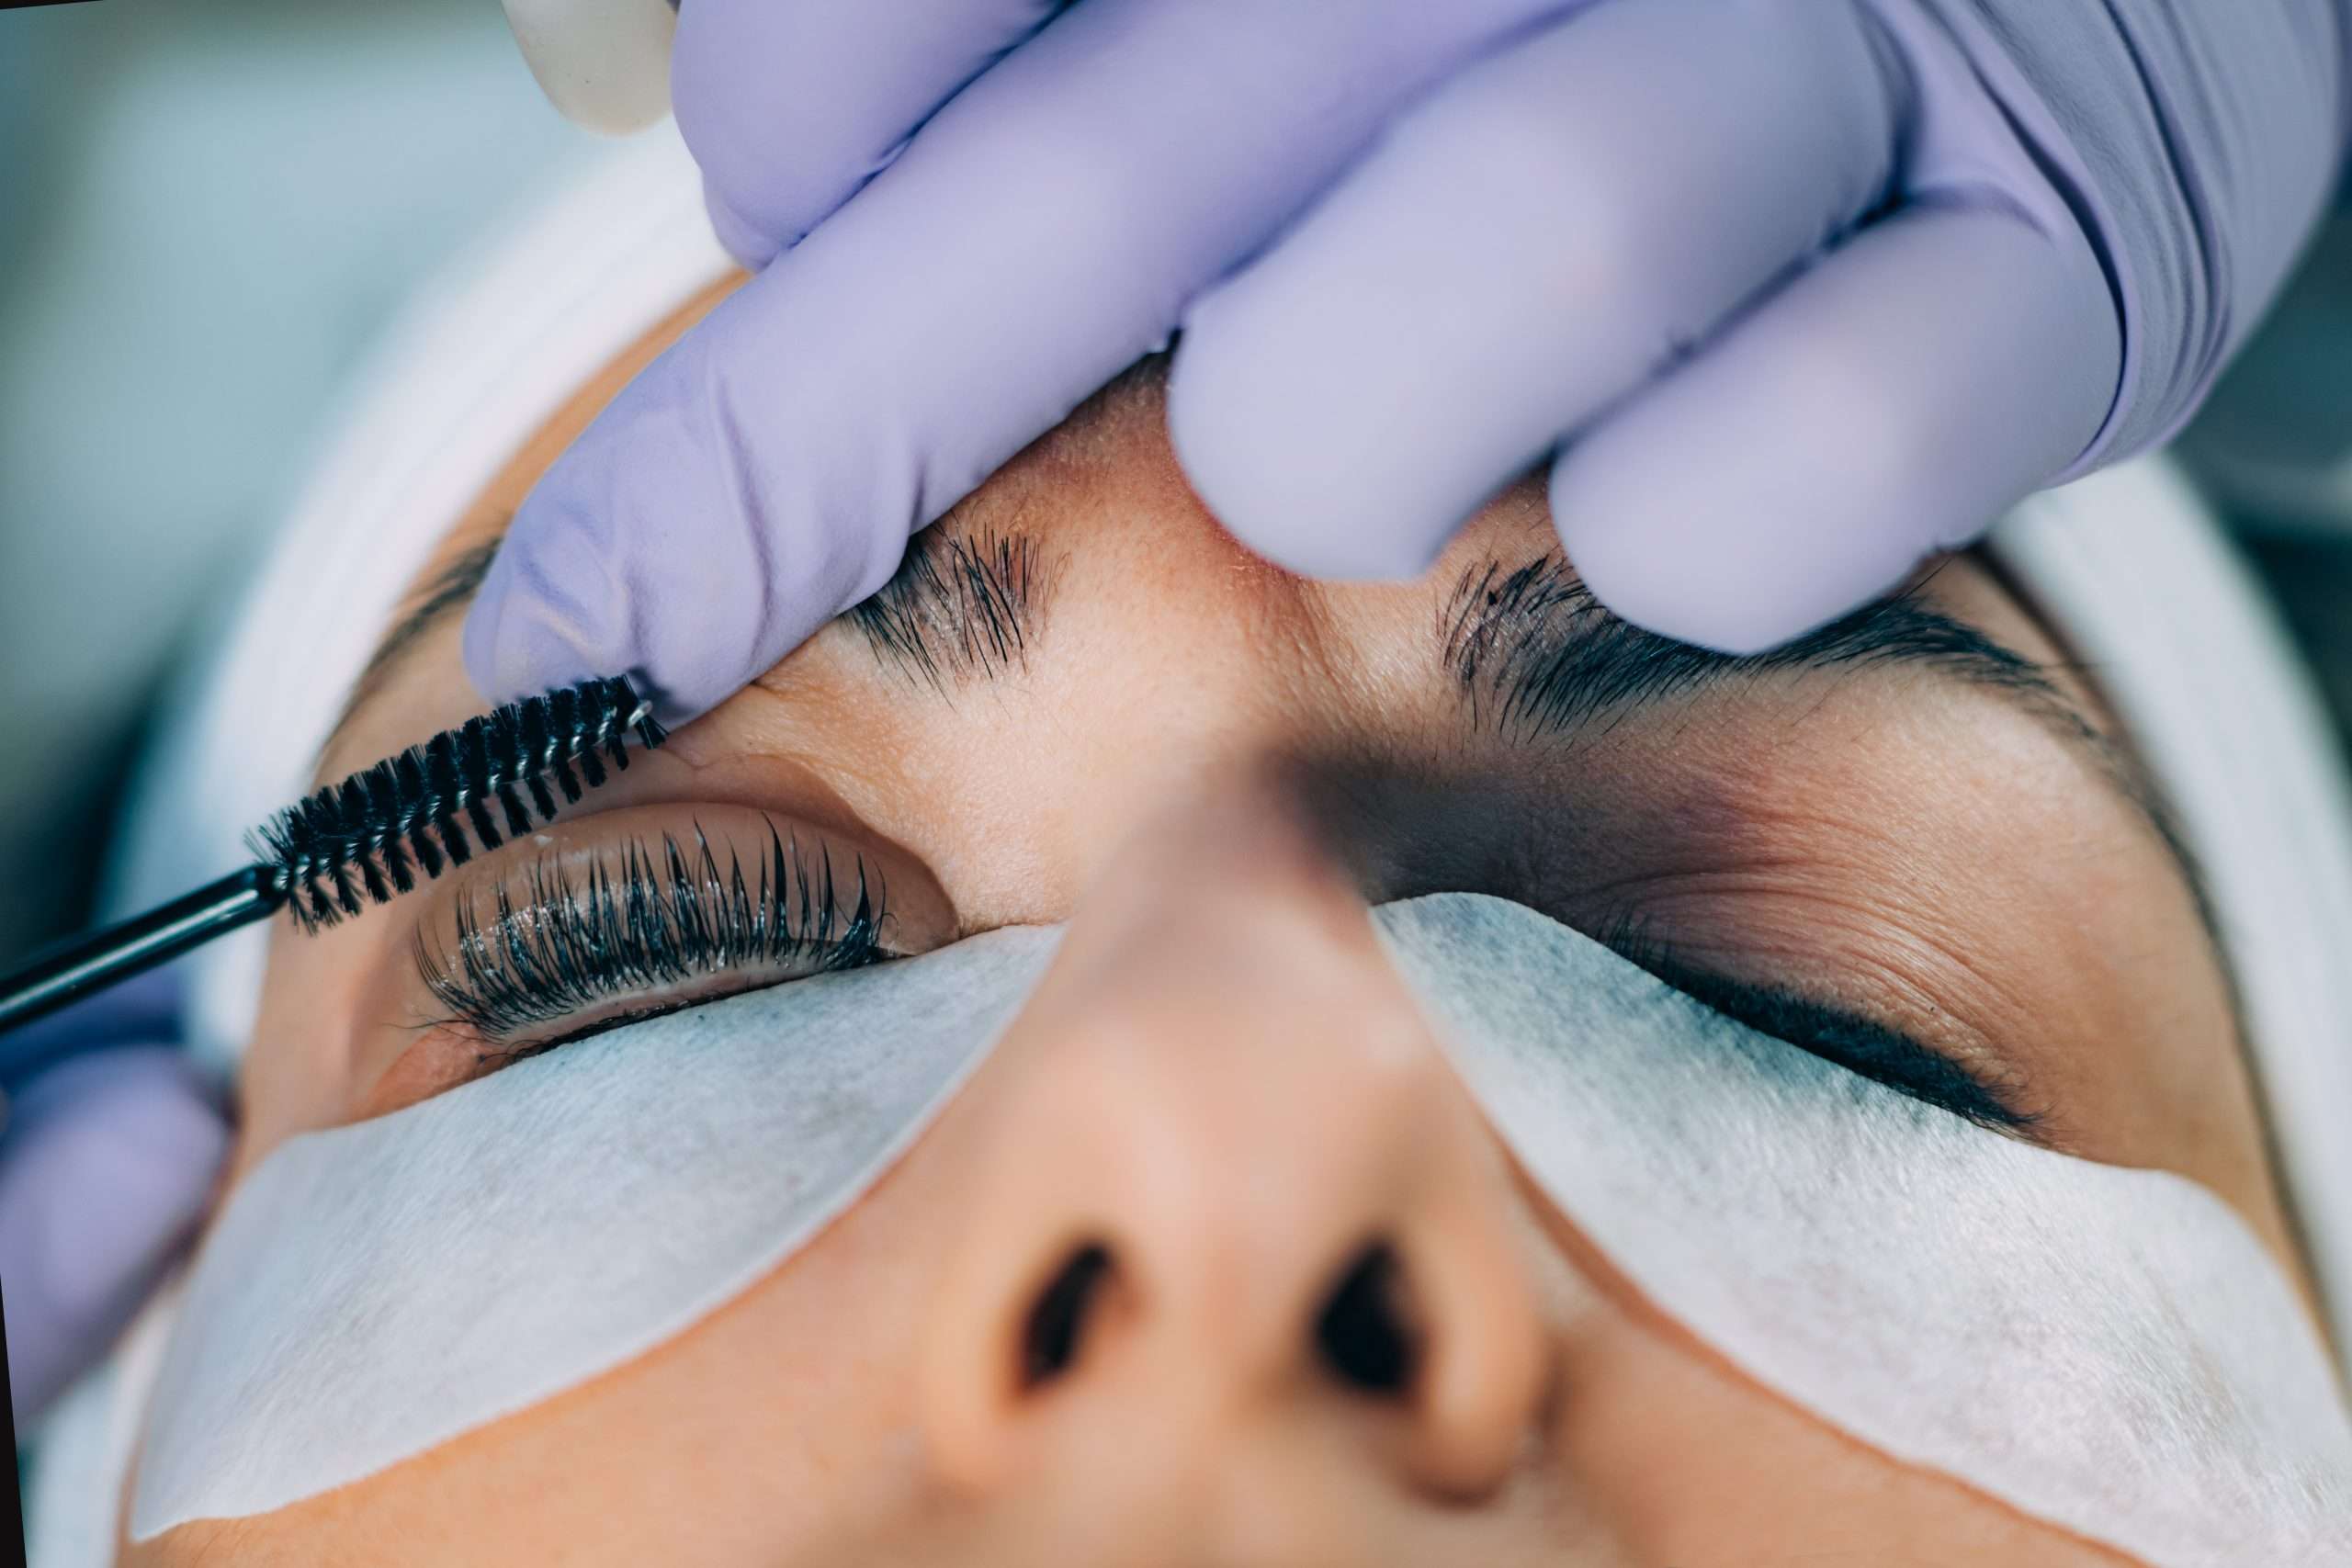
(364, 840)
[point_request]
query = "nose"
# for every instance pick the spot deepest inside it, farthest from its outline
(1226, 1192)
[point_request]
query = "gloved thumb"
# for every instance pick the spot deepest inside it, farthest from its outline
(105, 1165)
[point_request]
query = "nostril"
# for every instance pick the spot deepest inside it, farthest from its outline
(1363, 1333)
(1050, 1339)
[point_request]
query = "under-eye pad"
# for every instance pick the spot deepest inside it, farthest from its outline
(377, 1289)
(2109, 1350)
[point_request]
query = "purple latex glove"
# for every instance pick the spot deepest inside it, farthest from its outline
(1798, 291)
(107, 1162)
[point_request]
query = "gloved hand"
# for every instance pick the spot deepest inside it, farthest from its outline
(1799, 291)
(107, 1161)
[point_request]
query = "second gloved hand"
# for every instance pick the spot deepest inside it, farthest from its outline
(1798, 291)
(105, 1165)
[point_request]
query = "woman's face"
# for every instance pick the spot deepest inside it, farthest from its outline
(1214, 1260)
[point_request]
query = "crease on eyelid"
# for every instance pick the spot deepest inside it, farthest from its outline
(1537, 654)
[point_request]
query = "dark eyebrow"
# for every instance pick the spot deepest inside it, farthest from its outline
(1537, 655)
(963, 603)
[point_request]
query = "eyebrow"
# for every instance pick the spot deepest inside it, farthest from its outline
(1537, 654)
(962, 604)
(957, 604)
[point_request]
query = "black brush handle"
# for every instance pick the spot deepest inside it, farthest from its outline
(78, 965)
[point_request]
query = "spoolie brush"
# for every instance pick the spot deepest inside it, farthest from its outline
(370, 838)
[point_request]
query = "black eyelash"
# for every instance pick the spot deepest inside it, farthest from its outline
(658, 919)
(1858, 1044)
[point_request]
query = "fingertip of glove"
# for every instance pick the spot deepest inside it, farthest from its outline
(752, 246)
(117, 1152)
(1332, 545)
(1299, 516)
(524, 634)
(521, 640)
(490, 659)
(109, 1168)
(1739, 587)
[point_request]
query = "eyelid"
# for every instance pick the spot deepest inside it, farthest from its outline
(1861, 1044)
(544, 889)
(594, 930)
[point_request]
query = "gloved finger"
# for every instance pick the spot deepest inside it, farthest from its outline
(104, 1174)
(791, 105)
(1044, 231)
(1554, 227)
(1892, 402)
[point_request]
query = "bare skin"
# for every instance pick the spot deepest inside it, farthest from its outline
(1211, 770)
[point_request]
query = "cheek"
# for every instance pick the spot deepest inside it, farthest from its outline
(1694, 1466)
(1661, 1449)
(777, 1430)
(792, 1408)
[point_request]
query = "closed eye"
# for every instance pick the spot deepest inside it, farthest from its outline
(1861, 1045)
(640, 927)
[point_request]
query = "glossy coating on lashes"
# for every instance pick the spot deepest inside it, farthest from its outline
(364, 839)
(659, 918)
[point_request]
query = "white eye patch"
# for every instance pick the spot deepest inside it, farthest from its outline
(2107, 1351)
(375, 1291)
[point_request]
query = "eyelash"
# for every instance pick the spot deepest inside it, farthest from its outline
(1855, 1043)
(658, 918)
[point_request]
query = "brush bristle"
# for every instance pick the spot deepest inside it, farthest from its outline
(366, 839)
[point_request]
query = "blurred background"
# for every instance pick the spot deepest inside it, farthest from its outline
(209, 214)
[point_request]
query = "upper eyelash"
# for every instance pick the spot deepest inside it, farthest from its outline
(1850, 1042)
(579, 940)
